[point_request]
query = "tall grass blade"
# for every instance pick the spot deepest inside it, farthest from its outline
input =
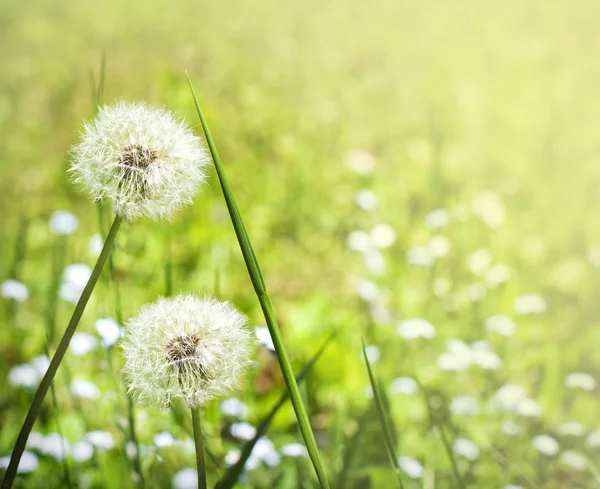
(230, 478)
(388, 438)
(265, 302)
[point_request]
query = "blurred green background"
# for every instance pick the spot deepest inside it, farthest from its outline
(486, 113)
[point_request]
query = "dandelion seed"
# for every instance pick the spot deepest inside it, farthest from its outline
(366, 200)
(404, 385)
(411, 329)
(234, 407)
(242, 431)
(529, 304)
(83, 343)
(437, 219)
(143, 158)
(13, 289)
(411, 467)
(579, 380)
(294, 450)
(545, 444)
(28, 463)
(85, 389)
(466, 448)
(63, 223)
(186, 479)
(185, 347)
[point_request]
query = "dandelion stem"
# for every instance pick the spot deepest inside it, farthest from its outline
(265, 303)
(40, 393)
(199, 448)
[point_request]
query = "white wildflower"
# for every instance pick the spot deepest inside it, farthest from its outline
(464, 405)
(373, 353)
(383, 236)
(13, 289)
(465, 448)
(264, 337)
(40, 363)
(109, 331)
(294, 450)
(545, 444)
(83, 343)
(85, 389)
(490, 209)
(441, 286)
(475, 292)
(410, 329)
(437, 219)
(63, 223)
(508, 397)
(404, 385)
(23, 375)
(231, 457)
(28, 463)
(374, 262)
(580, 380)
(571, 428)
(574, 459)
(242, 431)
(366, 200)
(360, 161)
(359, 241)
(367, 290)
(234, 407)
(102, 440)
(55, 446)
(185, 347)
(82, 451)
(528, 408)
(143, 158)
(263, 451)
(95, 244)
(529, 304)
(497, 275)
(164, 439)
(411, 467)
(510, 428)
(501, 324)
(74, 280)
(439, 246)
(479, 261)
(186, 479)
(593, 439)
(420, 255)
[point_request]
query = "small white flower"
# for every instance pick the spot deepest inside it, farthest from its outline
(143, 158)
(23, 375)
(75, 278)
(593, 256)
(85, 389)
(373, 353)
(83, 343)
(102, 440)
(360, 161)
(294, 450)
(571, 428)
(420, 255)
(264, 337)
(593, 439)
(441, 286)
(366, 200)
(185, 347)
(479, 261)
(464, 405)
(383, 236)
(512, 486)
(484, 357)
(466, 448)
(458, 356)
(263, 451)
(359, 241)
(55, 446)
(374, 262)
(475, 292)
(411, 467)
(164, 439)
(497, 275)
(96, 243)
(367, 290)
(437, 219)
(243, 431)
(410, 329)
(501, 324)
(186, 479)
(490, 209)
(508, 397)
(439, 246)
(529, 304)
(82, 451)
(109, 331)
(545, 444)
(369, 392)
(234, 407)
(404, 385)
(35, 440)
(63, 223)
(231, 457)
(13, 289)
(40, 363)
(510, 428)
(574, 459)
(528, 408)
(579, 380)
(28, 463)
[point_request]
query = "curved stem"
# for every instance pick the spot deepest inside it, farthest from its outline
(40, 393)
(199, 448)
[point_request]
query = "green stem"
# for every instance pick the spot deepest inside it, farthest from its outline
(40, 393)
(265, 303)
(199, 448)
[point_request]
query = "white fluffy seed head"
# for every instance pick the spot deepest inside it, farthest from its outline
(142, 157)
(185, 347)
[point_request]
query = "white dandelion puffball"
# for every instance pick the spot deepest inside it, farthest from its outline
(142, 157)
(186, 347)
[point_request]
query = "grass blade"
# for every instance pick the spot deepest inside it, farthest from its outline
(232, 475)
(265, 302)
(385, 426)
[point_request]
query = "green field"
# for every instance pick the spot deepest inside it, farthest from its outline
(392, 160)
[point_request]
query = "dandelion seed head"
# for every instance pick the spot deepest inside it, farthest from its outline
(185, 347)
(142, 157)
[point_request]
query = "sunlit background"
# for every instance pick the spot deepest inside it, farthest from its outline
(425, 175)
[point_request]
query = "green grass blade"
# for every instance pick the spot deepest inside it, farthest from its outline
(385, 426)
(231, 476)
(265, 302)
